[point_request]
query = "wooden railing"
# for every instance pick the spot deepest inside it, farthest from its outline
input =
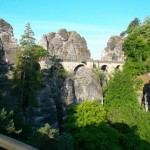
(9, 143)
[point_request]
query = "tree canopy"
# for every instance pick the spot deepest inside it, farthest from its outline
(27, 39)
(137, 47)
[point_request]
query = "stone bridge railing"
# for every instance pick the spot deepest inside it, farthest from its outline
(90, 60)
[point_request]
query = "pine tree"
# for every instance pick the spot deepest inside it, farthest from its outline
(27, 75)
(133, 24)
(27, 39)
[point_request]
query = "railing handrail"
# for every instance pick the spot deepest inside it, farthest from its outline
(100, 61)
(12, 144)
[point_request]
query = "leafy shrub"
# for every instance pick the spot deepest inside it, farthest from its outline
(44, 138)
(88, 112)
(7, 125)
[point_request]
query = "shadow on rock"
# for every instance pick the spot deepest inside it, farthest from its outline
(146, 96)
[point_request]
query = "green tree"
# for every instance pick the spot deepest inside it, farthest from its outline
(133, 24)
(131, 27)
(87, 123)
(27, 74)
(136, 48)
(147, 20)
(87, 113)
(122, 106)
(27, 39)
(123, 95)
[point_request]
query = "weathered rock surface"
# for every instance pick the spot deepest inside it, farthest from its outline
(59, 93)
(46, 111)
(83, 86)
(113, 51)
(8, 42)
(66, 45)
(7, 99)
(146, 96)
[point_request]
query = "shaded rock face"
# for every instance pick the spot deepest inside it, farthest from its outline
(7, 99)
(66, 45)
(83, 86)
(146, 97)
(49, 102)
(58, 93)
(113, 51)
(46, 111)
(7, 41)
(3, 64)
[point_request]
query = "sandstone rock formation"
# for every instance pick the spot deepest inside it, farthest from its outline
(46, 111)
(58, 93)
(8, 42)
(8, 47)
(113, 51)
(66, 45)
(84, 85)
(3, 64)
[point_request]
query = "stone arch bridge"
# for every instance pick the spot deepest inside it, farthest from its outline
(72, 66)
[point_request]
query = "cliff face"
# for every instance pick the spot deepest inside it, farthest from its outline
(8, 48)
(58, 93)
(113, 51)
(66, 45)
(83, 86)
(8, 41)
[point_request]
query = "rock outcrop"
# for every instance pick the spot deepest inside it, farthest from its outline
(66, 45)
(113, 51)
(84, 85)
(8, 47)
(146, 96)
(8, 42)
(46, 111)
(58, 93)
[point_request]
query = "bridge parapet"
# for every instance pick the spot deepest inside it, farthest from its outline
(70, 65)
(100, 61)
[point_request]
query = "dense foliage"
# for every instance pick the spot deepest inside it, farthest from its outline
(86, 113)
(48, 138)
(120, 99)
(122, 105)
(7, 125)
(137, 47)
(93, 129)
(87, 123)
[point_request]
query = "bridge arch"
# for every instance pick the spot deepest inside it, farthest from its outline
(77, 67)
(55, 69)
(104, 67)
(118, 67)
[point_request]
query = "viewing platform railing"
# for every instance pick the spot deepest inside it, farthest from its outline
(9, 143)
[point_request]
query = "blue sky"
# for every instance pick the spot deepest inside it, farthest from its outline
(95, 20)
